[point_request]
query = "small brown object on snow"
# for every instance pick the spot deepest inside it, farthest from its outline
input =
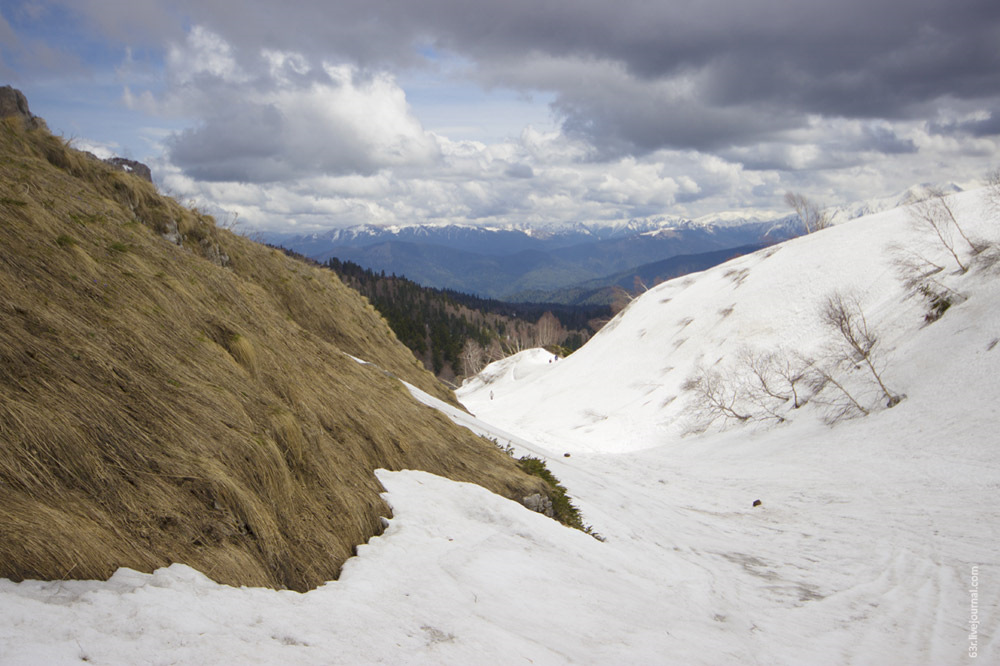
(565, 455)
(757, 502)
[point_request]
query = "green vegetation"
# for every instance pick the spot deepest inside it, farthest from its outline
(565, 512)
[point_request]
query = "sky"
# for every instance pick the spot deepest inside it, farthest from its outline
(329, 113)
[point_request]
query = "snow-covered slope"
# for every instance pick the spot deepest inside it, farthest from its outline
(625, 390)
(876, 540)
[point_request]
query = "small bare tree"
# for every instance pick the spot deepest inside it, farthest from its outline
(913, 268)
(494, 351)
(845, 405)
(858, 342)
(715, 397)
(774, 378)
(549, 330)
(934, 211)
(760, 386)
(473, 357)
(812, 216)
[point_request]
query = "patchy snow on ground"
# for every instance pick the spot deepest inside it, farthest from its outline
(876, 540)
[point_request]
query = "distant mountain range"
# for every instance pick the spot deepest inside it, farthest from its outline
(521, 264)
(571, 263)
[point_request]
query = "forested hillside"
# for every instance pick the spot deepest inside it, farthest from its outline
(456, 334)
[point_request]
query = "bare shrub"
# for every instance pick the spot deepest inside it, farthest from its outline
(761, 386)
(776, 376)
(919, 276)
(716, 396)
(765, 385)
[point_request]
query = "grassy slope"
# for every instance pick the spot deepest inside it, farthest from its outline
(156, 407)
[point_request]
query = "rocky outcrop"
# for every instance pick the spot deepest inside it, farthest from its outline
(540, 504)
(14, 103)
(131, 166)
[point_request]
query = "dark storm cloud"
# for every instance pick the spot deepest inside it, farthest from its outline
(885, 141)
(519, 171)
(989, 126)
(220, 150)
(749, 66)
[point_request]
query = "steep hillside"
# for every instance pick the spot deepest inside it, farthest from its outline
(171, 392)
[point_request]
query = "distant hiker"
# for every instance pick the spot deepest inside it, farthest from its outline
(491, 395)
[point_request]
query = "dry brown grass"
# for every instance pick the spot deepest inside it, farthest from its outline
(156, 407)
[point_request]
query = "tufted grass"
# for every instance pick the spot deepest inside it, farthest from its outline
(156, 407)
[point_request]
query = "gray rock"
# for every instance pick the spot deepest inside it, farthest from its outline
(173, 234)
(539, 504)
(14, 103)
(214, 253)
(138, 168)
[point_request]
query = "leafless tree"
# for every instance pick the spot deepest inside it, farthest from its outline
(520, 336)
(473, 357)
(230, 222)
(638, 286)
(934, 212)
(812, 216)
(775, 376)
(549, 330)
(844, 405)
(760, 386)
(494, 351)
(913, 268)
(715, 396)
(858, 342)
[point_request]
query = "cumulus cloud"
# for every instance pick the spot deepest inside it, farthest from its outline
(285, 118)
